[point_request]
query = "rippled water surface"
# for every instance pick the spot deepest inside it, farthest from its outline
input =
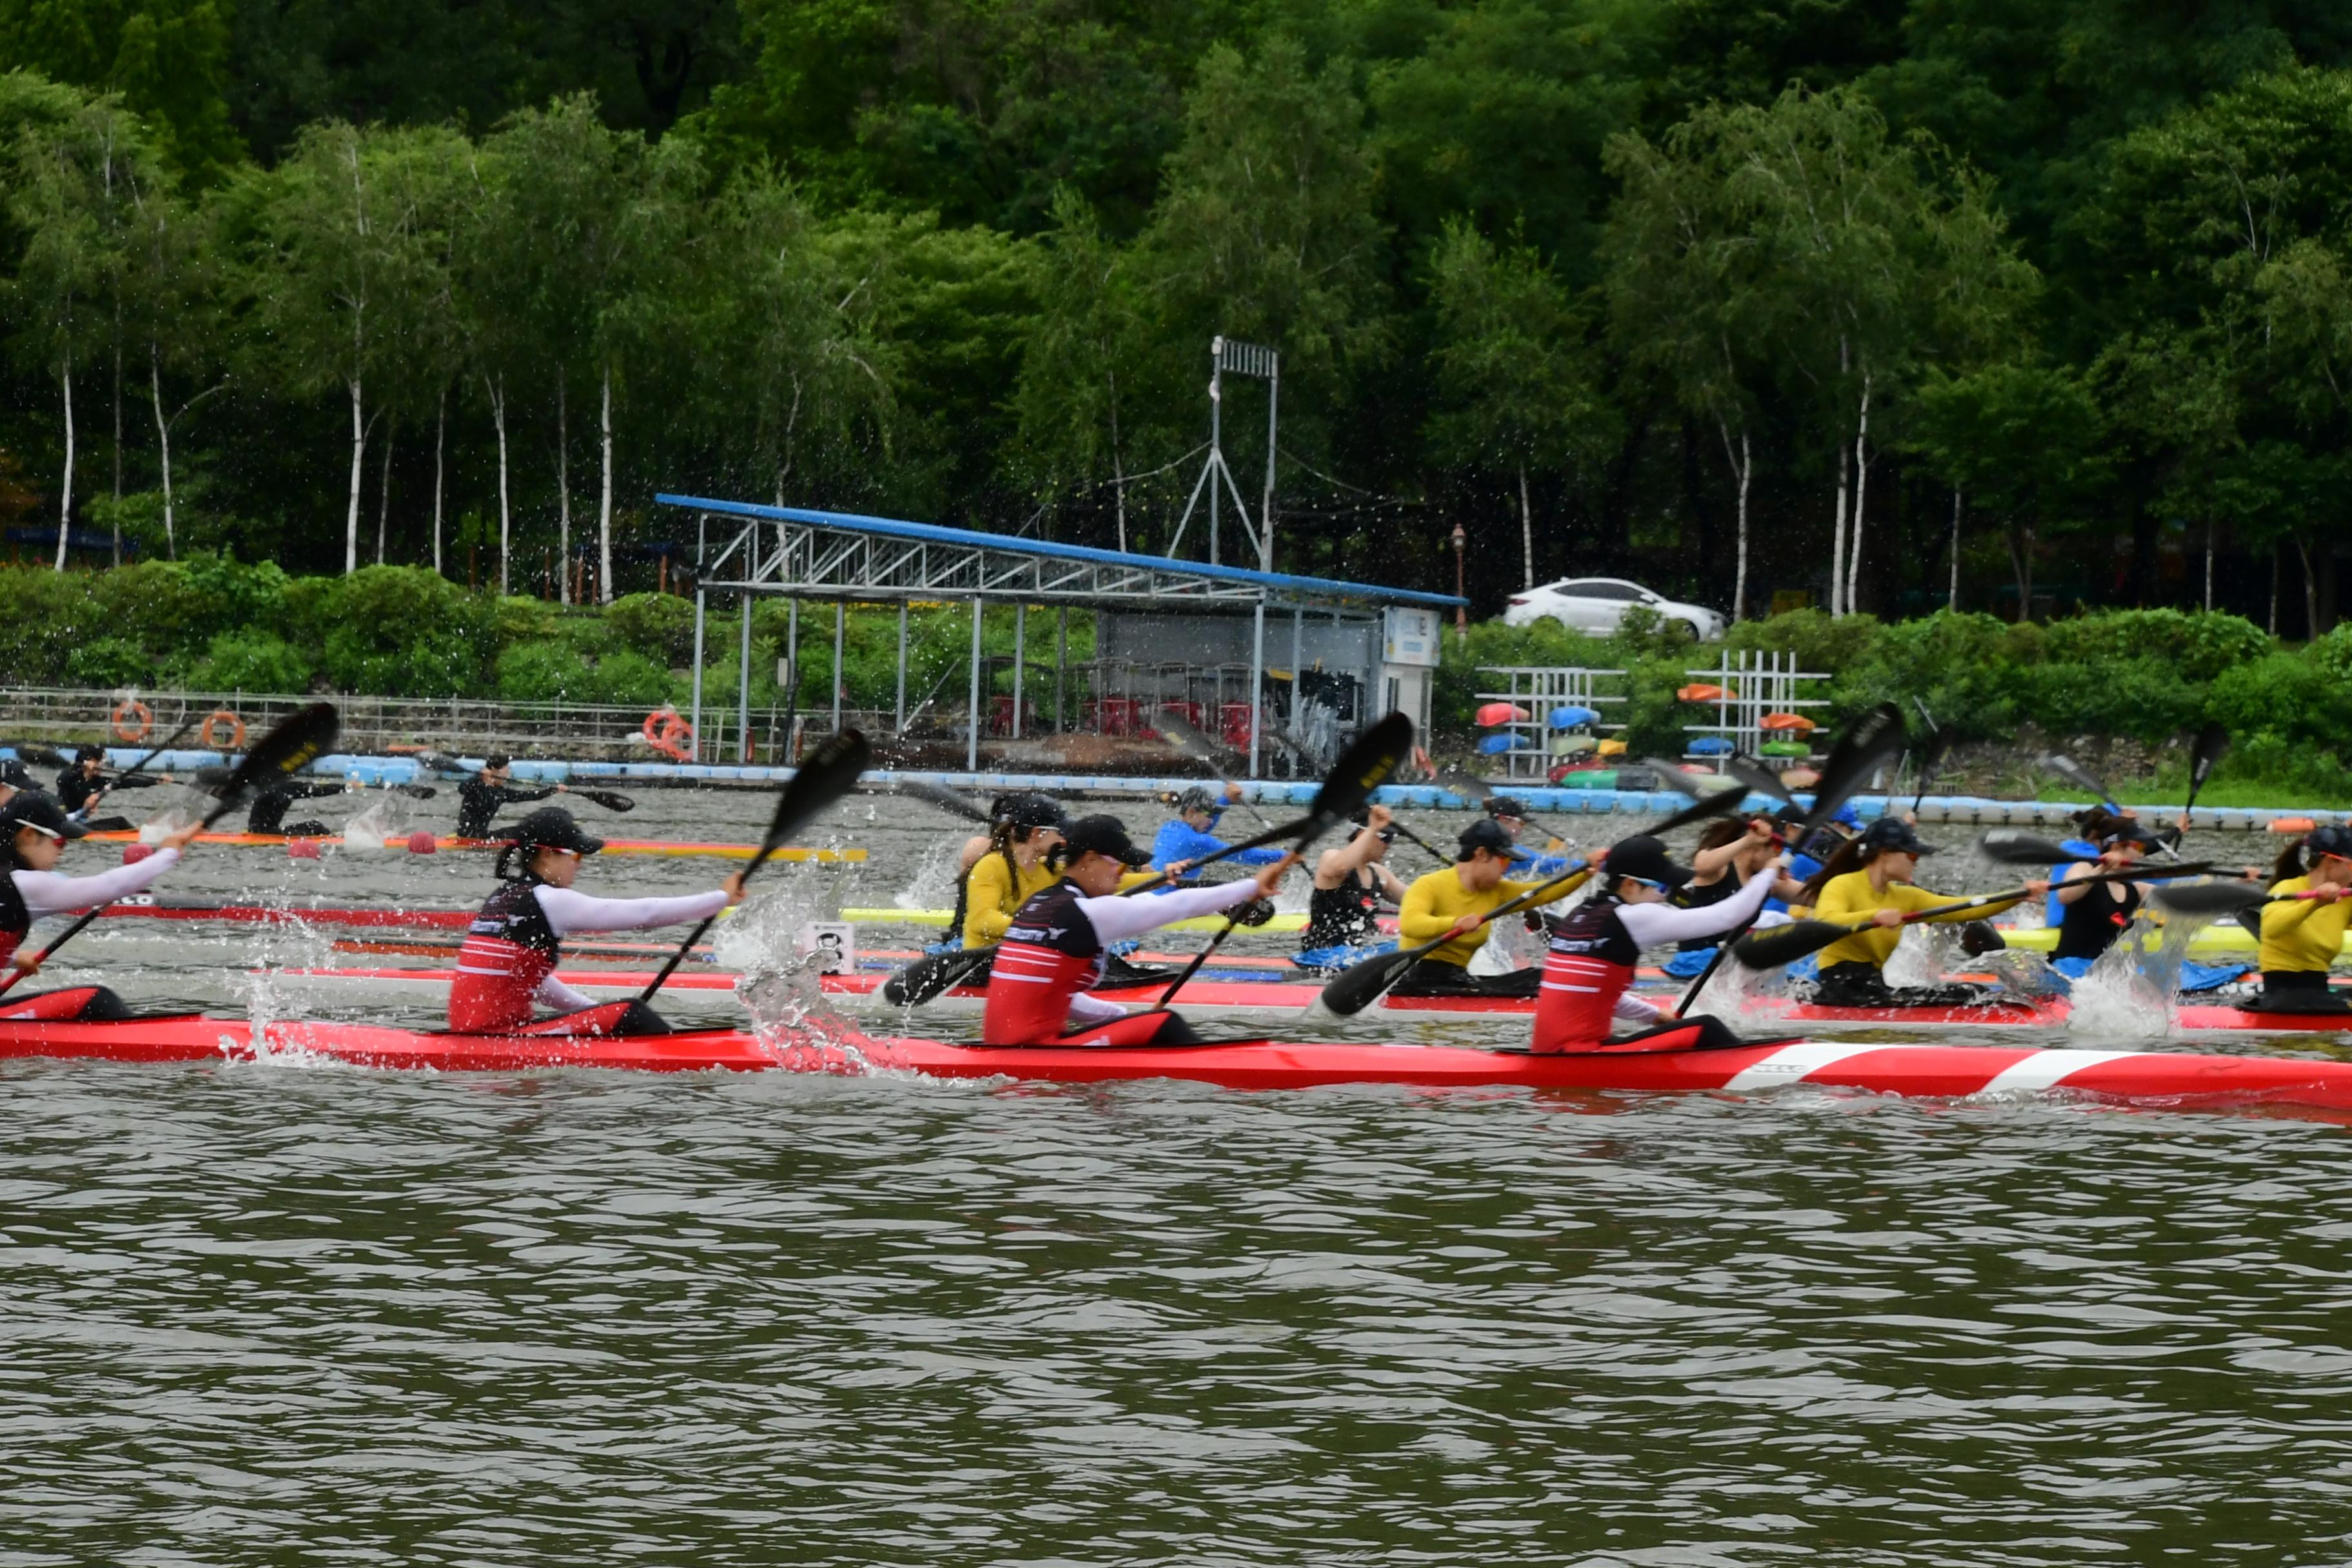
(276, 1313)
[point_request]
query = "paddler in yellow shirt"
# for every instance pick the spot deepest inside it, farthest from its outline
(1452, 902)
(1869, 880)
(2300, 939)
(1013, 870)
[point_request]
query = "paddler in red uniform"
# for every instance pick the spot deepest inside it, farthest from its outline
(1590, 968)
(33, 832)
(1057, 943)
(511, 950)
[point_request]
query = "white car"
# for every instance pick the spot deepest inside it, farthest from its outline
(1596, 605)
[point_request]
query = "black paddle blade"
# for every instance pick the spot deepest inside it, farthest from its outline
(1362, 768)
(2206, 898)
(927, 978)
(824, 776)
(416, 792)
(611, 800)
(1931, 756)
(2075, 774)
(946, 799)
(2015, 846)
(1360, 985)
(1179, 734)
(1787, 943)
(1759, 778)
(1455, 781)
(1869, 743)
(40, 756)
(1672, 775)
(294, 744)
(2213, 745)
(1723, 802)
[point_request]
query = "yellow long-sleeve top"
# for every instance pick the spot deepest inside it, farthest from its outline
(993, 894)
(1851, 897)
(1435, 901)
(2303, 937)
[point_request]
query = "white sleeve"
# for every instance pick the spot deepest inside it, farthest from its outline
(1636, 1010)
(1095, 1009)
(47, 893)
(1655, 925)
(1116, 919)
(562, 998)
(568, 911)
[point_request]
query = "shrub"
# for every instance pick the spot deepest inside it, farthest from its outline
(252, 662)
(402, 631)
(110, 662)
(44, 616)
(540, 672)
(2290, 696)
(629, 677)
(658, 626)
(2198, 646)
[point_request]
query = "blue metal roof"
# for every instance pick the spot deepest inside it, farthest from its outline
(892, 527)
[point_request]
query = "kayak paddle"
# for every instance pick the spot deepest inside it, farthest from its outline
(1361, 769)
(2082, 778)
(2221, 898)
(1869, 743)
(2213, 745)
(1931, 758)
(611, 800)
(1759, 778)
(1478, 792)
(37, 755)
(1800, 939)
(135, 769)
(2015, 846)
(946, 799)
(824, 776)
(296, 741)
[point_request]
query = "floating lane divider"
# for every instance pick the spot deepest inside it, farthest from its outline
(612, 846)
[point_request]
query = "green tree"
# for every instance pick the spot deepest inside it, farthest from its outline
(1518, 389)
(1088, 326)
(165, 60)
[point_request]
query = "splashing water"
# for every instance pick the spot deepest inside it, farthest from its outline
(780, 987)
(383, 823)
(934, 883)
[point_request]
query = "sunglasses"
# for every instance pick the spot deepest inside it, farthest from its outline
(1650, 882)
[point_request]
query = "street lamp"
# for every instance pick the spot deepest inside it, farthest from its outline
(1461, 611)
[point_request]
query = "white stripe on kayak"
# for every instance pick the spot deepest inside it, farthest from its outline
(1790, 1063)
(2048, 1070)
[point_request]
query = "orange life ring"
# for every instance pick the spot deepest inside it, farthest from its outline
(235, 742)
(132, 706)
(666, 732)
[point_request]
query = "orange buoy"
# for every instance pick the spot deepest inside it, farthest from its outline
(2291, 825)
(302, 849)
(132, 720)
(134, 853)
(422, 842)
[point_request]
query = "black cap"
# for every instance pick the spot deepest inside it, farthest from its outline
(1893, 833)
(1508, 806)
(1032, 810)
(496, 761)
(1101, 836)
(1644, 857)
(13, 774)
(86, 753)
(551, 827)
(2124, 830)
(36, 808)
(2330, 840)
(1486, 834)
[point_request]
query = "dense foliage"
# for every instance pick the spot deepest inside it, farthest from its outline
(1926, 301)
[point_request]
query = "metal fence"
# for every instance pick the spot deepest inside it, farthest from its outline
(587, 731)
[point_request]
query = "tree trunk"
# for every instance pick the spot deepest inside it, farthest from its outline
(383, 489)
(440, 430)
(1527, 531)
(163, 447)
(562, 491)
(496, 393)
(1118, 465)
(604, 505)
(2274, 587)
(1861, 489)
(2310, 590)
(352, 512)
(1952, 600)
(1837, 538)
(65, 490)
(1743, 469)
(2209, 565)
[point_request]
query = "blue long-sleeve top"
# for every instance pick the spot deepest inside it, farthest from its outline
(1179, 840)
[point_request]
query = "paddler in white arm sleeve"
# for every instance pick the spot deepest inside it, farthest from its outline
(1056, 947)
(34, 829)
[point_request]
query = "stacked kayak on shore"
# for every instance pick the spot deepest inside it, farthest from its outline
(2155, 1079)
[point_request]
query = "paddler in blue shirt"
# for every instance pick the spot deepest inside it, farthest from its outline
(1512, 812)
(1191, 835)
(1810, 856)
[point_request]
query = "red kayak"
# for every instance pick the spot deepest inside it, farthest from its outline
(2154, 1078)
(1239, 996)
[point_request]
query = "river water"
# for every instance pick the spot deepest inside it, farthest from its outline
(277, 1313)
